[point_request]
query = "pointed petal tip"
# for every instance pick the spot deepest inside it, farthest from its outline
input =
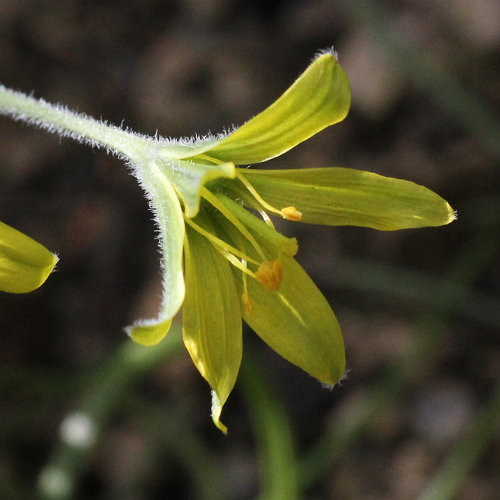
(220, 426)
(44, 273)
(25, 264)
(53, 259)
(336, 373)
(328, 52)
(216, 412)
(452, 214)
(338, 381)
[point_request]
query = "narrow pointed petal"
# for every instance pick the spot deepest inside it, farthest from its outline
(298, 323)
(24, 263)
(170, 221)
(341, 196)
(188, 177)
(211, 319)
(320, 97)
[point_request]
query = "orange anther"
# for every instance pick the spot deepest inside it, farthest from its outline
(270, 274)
(291, 213)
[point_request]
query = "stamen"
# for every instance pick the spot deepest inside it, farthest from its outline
(270, 274)
(255, 194)
(230, 253)
(291, 213)
(203, 156)
(205, 193)
(237, 263)
(245, 297)
(225, 248)
(266, 218)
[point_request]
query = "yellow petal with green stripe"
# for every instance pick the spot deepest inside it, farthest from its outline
(295, 320)
(211, 318)
(341, 196)
(320, 97)
(298, 323)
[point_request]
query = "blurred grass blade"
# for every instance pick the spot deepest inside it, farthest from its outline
(277, 461)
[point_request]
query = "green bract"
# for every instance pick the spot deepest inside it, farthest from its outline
(24, 263)
(236, 265)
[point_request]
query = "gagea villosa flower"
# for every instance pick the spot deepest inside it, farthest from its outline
(222, 258)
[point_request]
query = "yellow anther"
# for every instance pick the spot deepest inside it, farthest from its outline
(246, 302)
(291, 213)
(270, 274)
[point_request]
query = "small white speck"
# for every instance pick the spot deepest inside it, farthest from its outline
(54, 483)
(78, 430)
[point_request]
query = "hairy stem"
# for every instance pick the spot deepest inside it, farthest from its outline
(60, 120)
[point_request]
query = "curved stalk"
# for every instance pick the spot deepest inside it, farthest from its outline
(58, 119)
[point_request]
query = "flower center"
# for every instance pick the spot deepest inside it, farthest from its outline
(268, 272)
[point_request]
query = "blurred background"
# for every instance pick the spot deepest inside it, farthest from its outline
(86, 414)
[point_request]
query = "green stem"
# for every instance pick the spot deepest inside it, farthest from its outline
(60, 120)
(406, 286)
(176, 436)
(277, 459)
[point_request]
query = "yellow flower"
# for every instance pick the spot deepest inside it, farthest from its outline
(224, 262)
(24, 263)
